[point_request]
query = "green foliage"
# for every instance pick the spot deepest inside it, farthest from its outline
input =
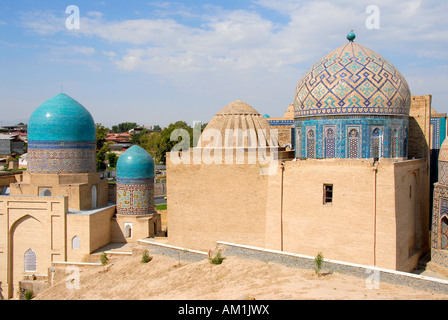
(112, 158)
(218, 259)
(101, 146)
(161, 206)
(101, 133)
(318, 260)
(124, 127)
(104, 259)
(29, 294)
(146, 258)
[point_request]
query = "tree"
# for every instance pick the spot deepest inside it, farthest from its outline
(153, 144)
(101, 146)
(167, 144)
(124, 127)
(159, 143)
(112, 158)
(101, 134)
(136, 137)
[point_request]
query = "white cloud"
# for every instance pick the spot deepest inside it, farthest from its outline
(245, 46)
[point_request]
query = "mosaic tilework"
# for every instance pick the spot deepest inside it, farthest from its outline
(443, 172)
(310, 144)
(352, 79)
(439, 232)
(444, 233)
(280, 122)
(353, 137)
(440, 257)
(329, 143)
(135, 199)
(353, 144)
(61, 157)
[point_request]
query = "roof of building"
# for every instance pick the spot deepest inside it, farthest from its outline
(236, 117)
(352, 80)
(135, 163)
(7, 137)
(61, 118)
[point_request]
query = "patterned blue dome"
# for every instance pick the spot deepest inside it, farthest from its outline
(135, 163)
(61, 118)
(352, 80)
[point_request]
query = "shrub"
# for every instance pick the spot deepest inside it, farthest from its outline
(218, 259)
(146, 258)
(318, 260)
(104, 259)
(29, 294)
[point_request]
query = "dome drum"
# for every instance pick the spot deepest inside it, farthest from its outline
(357, 137)
(54, 157)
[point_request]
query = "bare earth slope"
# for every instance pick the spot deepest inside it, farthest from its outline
(126, 278)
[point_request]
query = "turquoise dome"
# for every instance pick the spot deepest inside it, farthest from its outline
(135, 163)
(61, 118)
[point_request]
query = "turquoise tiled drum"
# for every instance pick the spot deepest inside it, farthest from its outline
(61, 138)
(135, 182)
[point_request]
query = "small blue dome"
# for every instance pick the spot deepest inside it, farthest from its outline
(266, 116)
(135, 163)
(61, 118)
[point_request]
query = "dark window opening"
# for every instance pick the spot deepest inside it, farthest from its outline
(328, 193)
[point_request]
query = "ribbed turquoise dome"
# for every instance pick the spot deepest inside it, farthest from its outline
(61, 118)
(135, 163)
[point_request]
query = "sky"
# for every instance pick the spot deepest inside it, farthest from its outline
(158, 62)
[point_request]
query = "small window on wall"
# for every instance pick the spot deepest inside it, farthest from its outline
(128, 230)
(30, 261)
(328, 193)
(45, 193)
(76, 243)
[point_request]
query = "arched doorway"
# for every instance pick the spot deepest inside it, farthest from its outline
(444, 233)
(94, 197)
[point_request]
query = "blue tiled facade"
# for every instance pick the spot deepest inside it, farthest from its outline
(351, 137)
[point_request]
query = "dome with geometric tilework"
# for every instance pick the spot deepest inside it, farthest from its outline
(352, 80)
(352, 103)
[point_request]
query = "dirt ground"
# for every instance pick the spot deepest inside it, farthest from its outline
(127, 278)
